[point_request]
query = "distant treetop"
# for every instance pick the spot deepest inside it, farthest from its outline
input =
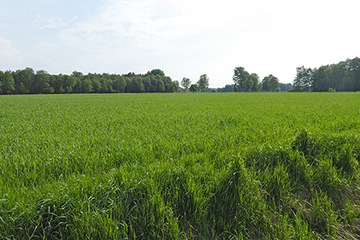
(156, 72)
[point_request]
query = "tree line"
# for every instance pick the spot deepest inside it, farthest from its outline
(201, 85)
(27, 81)
(245, 82)
(344, 76)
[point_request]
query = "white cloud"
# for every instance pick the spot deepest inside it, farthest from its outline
(189, 37)
(121, 19)
(45, 23)
(6, 48)
(9, 54)
(192, 37)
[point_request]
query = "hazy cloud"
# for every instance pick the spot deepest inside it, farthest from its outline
(45, 23)
(185, 38)
(9, 54)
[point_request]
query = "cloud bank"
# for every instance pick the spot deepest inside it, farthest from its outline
(185, 38)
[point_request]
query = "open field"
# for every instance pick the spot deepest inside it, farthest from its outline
(180, 166)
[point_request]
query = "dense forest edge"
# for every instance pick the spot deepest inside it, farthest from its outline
(28, 82)
(344, 77)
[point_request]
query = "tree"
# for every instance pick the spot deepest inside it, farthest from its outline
(343, 76)
(203, 83)
(176, 86)
(7, 82)
(303, 80)
(69, 83)
(135, 85)
(168, 84)
(270, 84)
(355, 73)
(160, 86)
(24, 80)
(96, 84)
(77, 74)
(193, 87)
(285, 87)
(227, 88)
(106, 84)
(119, 84)
(78, 85)
(242, 80)
(58, 84)
(86, 85)
(186, 83)
(42, 82)
(320, 79)
(156, 72)
(255, 84)
(1, 76)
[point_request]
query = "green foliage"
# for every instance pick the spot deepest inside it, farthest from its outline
(193, 87)
(7, 82)
(26, 81)
(237, 205)
(185, 82)
(227, 88)
(323, 218)
(241, 80)
(270, 84)
(255, 84)
(303, 81)
(178, 166)
(343, 76)
(305, 143)
(301, 230)
(157, 72)
(203, 83)
(286, 87)
(244, 81)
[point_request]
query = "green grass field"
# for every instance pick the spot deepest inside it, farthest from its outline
(180, 166)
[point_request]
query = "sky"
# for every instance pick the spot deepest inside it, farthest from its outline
(184, 38)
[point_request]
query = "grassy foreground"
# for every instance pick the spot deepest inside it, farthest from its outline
(180, 166)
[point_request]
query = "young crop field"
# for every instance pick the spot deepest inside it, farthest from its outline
(180, 166)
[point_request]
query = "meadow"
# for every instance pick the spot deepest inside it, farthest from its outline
(180, 166)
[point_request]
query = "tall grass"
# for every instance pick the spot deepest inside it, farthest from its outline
(180, 166)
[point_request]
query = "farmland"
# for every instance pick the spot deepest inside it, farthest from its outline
(180, 166)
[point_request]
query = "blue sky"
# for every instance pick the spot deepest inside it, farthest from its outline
(185, 38)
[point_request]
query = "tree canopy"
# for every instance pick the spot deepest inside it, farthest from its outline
(344, 76)
(28, 82)
(203, 83)
(7, 82)
(185, 83)
(302, 81)
(270, 84)
(193, 87)
(242, 80)
(245, 82)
